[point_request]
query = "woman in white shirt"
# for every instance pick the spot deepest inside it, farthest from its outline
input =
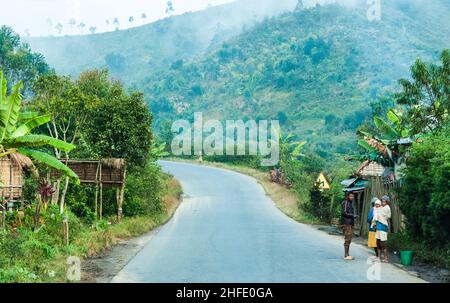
(381, 223)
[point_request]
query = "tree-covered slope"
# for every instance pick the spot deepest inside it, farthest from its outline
(134, 53)
(316, 70)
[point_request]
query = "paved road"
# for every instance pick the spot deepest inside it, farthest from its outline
(228, 230)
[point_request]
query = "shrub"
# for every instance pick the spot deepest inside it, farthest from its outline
(143, 191)
(425, 200)
(319, 204)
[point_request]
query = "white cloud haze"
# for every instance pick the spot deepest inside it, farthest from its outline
(40, 17)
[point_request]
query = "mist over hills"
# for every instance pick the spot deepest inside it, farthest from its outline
(134, 53)
(315, 69)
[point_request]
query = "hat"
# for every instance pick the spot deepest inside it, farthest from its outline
(377, 202)
(374, 199)
(386, 198)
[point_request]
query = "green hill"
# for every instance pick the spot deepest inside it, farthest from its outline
(315, 70)
(134, 53)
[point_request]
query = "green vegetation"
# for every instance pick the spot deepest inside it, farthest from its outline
(27, 256)
(317, 69)
(424, 199)
(16, 128)
(91, 117)
(326, 73)
(17, 60)
(320, 204)
(131, 55)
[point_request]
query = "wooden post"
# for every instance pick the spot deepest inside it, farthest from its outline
(66, 231)
(101, 200)
(101, 191)
(96, 190)
(96, 201)
(3, 209)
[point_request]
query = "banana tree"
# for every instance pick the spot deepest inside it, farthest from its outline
(289, 149)
(16, 131)
(388, 144)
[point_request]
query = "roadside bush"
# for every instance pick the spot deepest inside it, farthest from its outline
(319, 204)
(80, 199)
(425, 200)
(424, 252)
(143, 191)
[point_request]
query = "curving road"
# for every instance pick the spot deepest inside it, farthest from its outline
(228, 230)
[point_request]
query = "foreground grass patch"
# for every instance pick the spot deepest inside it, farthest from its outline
(41, 257)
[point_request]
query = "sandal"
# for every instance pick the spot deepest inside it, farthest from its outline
(349, 258)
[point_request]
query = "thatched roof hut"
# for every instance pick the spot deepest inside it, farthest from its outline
(11, 174)
(109, 172)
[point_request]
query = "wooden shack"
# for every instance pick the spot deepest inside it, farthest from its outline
(101, 173)
(11, 176)
(371, 180)
(109, 172)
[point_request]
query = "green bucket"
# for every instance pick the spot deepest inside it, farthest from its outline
(406, 257)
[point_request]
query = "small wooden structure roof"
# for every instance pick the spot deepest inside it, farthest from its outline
(354, 184)
(109, 172)
(370, 169)
(11, 174)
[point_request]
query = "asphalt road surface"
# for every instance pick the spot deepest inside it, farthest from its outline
(227, 230)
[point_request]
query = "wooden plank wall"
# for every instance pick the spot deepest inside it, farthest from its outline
(378, 188)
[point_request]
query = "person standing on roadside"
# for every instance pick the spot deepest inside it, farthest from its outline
(348, 216)
(372, 241)
(381, 223)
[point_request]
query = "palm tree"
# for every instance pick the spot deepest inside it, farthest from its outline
(143, 17)
(169, 8)
(116, 23)
(72, 22)
(16, 127)
(81, 27)
(59, 27)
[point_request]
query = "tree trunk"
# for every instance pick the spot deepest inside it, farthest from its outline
(119, 204)
(66, 231)
(55, 196)
(101, 201)
(63, 195)
(3, 219)
(96, 201)
(120, 196)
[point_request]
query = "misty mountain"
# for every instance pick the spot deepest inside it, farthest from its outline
(316, 70)
(134, 53)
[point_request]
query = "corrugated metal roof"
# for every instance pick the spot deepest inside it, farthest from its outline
(349, 182)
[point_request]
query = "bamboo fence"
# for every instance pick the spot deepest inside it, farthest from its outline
(378, 187)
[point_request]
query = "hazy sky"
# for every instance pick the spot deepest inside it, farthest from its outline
(40, 17)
